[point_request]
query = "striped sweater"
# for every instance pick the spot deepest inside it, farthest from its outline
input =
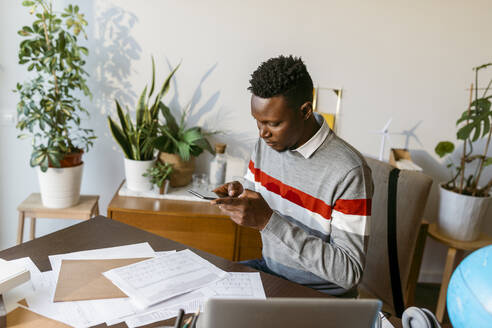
(318, 233)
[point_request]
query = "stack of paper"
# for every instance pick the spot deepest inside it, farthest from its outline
(144, 286)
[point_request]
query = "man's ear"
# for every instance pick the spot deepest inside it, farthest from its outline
(307, 110)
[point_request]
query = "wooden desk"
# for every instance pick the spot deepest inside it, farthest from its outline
(101, 232)
(456, 250)
(197, 224)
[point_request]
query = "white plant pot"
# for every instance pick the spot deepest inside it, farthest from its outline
(460, 216)
(60, 187)
(134, 171)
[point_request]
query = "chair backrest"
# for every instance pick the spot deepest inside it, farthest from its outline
(413, 190)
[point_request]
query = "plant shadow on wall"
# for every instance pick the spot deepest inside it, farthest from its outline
(114, 54)
(219, 119)
(112, 57)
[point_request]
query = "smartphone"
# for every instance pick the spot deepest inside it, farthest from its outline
(203, 195)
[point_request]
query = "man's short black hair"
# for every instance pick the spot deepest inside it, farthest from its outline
(285, 76)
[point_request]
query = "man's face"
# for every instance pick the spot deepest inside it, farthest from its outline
(279, 125)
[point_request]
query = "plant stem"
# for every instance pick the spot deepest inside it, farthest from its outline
(486, 189)
(48, 43)
(482, 160)
(463, 161)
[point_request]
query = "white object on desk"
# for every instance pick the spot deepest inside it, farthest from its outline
(158, 279)
(12, 274)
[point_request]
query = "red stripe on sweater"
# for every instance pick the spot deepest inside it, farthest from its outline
(292, 194)
(313, 204)
(353, 206)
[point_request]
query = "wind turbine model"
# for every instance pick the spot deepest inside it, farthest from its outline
(384, 132)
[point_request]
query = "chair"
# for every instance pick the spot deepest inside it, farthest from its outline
(412, 191)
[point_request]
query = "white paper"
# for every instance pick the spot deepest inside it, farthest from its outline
(236, 285)
(119, 252)
(77, 314)
(240, 285)
(189, 302)
(155, 280)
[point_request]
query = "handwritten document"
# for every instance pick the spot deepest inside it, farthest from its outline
(158, 279)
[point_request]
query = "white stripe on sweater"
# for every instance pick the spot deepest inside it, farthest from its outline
(358, 224)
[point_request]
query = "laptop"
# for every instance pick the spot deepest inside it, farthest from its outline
(289, 313)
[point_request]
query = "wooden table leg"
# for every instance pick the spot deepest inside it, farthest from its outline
(33, 228)
(20, 228)
(96, 212)
(452, 260)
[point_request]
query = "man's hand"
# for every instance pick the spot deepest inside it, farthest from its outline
(248, 209)
(231, 189)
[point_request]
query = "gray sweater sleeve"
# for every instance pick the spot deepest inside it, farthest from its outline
(341, 260)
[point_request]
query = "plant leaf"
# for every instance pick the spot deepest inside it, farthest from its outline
(487, 161)
(170, 120)
(120, 138)
(443, 148)
(141, 108)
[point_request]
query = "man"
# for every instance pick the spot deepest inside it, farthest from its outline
(307, 191)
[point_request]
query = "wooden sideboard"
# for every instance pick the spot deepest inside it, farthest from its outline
(197, 224)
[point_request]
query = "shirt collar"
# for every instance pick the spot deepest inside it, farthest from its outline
(308, 148)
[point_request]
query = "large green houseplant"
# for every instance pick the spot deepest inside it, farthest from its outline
(49, 109)
(136, 139)
(463, 201)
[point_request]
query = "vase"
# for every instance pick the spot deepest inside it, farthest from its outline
(182, 170)
(460, 216)
(134, 171)
(60, 187)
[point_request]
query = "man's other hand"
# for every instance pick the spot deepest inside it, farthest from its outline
(230, 189)
(248, 209)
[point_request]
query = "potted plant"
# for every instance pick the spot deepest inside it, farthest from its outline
(159, 176)
(179, 145)
(463, 202)
(136, 138)
(49, 108)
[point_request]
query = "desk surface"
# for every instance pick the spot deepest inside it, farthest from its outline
(101, 232)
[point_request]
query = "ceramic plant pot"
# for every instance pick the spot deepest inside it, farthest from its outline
(134, 171)
(60, 187)
(460, 216)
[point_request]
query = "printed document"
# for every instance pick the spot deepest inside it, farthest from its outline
(158, 279)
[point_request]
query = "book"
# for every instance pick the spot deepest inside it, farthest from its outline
(12, 275)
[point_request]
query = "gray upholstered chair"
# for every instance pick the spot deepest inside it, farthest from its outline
(412, 192)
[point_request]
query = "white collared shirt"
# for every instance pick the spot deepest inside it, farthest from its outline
(308, 148)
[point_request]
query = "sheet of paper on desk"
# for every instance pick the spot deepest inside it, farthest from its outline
(152, 281)
(190, 302)
(118, 252)
(236, 285)
(77, 314)
(240, 285)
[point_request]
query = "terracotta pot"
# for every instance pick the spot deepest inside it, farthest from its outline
(182, 171)
(72, 159)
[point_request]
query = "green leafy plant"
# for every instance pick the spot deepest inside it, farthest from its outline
(136, 139)
(48, 108)
(474, 123)
(159, 173)
(178, 139)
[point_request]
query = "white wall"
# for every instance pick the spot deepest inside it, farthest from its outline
(407, 60)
